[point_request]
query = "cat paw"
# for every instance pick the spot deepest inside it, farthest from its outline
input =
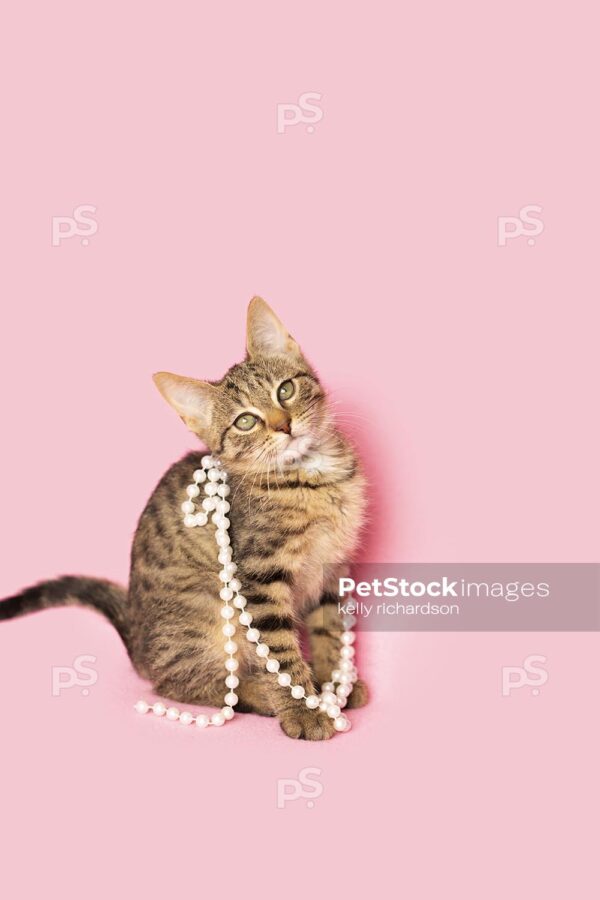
(359, 696)
(306, 724)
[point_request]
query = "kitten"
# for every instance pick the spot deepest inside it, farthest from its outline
(297, 497)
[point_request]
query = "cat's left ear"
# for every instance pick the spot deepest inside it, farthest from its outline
(265, 334)
(193, 400)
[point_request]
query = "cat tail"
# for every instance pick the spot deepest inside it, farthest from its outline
(70, 590)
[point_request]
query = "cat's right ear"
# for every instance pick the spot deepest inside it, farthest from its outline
(193, 400)
(265, 333)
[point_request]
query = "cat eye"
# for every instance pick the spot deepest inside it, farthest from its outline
(246, 421)
(286, 390)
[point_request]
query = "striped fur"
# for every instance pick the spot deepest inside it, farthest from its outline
(291, 523)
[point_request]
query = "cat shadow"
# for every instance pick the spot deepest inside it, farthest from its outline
(381, 468)
(381, 461)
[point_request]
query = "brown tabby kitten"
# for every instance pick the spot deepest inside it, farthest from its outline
(297, 498)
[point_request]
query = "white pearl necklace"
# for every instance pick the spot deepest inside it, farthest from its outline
(334, 694)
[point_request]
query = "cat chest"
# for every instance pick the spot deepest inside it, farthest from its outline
(301, 533)
(330, 538)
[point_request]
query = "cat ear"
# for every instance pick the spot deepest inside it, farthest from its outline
(265, 335)
(193, 400)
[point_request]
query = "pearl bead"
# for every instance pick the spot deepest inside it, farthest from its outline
(186, 718)
(188, 507)
(232, 681)
(262, 650)
(223, 490)
(141, 706)
(222, 522)
(323, 706)
(341, 723)
(345, 679)
(273, 665)
(349, 621)
(227, 612)
(230, 647)
(347, 652)
(159, 709)
(223, 575)
(223, 539)
(297, 692)
(231, 664)
(172, 713)
(284, 679)
(253, 634)
(245, 618)
(224, 555)
(199, 476)
(240, 601)
(210, 489)
(201, 518)
(214, 475)
(230, 567)
(189, 521)
(335, 675)
(208, 504)
(333, 711)
(227, 712)
(201, 721)
(231, 699)
(312, 701)
(345, 666)
(226, 593)
(207, 462)
(192, 490)
(223, 507)
(344, 690)
(328, 686)
(234, 584)
(348, 637)
(229, 630)
(218, 719)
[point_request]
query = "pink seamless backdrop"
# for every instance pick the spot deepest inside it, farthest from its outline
(467, 370)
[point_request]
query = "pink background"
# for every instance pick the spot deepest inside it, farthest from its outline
(468, 371)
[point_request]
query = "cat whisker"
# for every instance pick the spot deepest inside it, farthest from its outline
(256, 458)
(264, 452)
(346, 412)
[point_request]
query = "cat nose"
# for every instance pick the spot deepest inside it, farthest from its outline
(278, 420)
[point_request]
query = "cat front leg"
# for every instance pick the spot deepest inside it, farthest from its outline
(324, 626)
(270, 606)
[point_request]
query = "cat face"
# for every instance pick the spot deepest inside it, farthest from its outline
(267, 413)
